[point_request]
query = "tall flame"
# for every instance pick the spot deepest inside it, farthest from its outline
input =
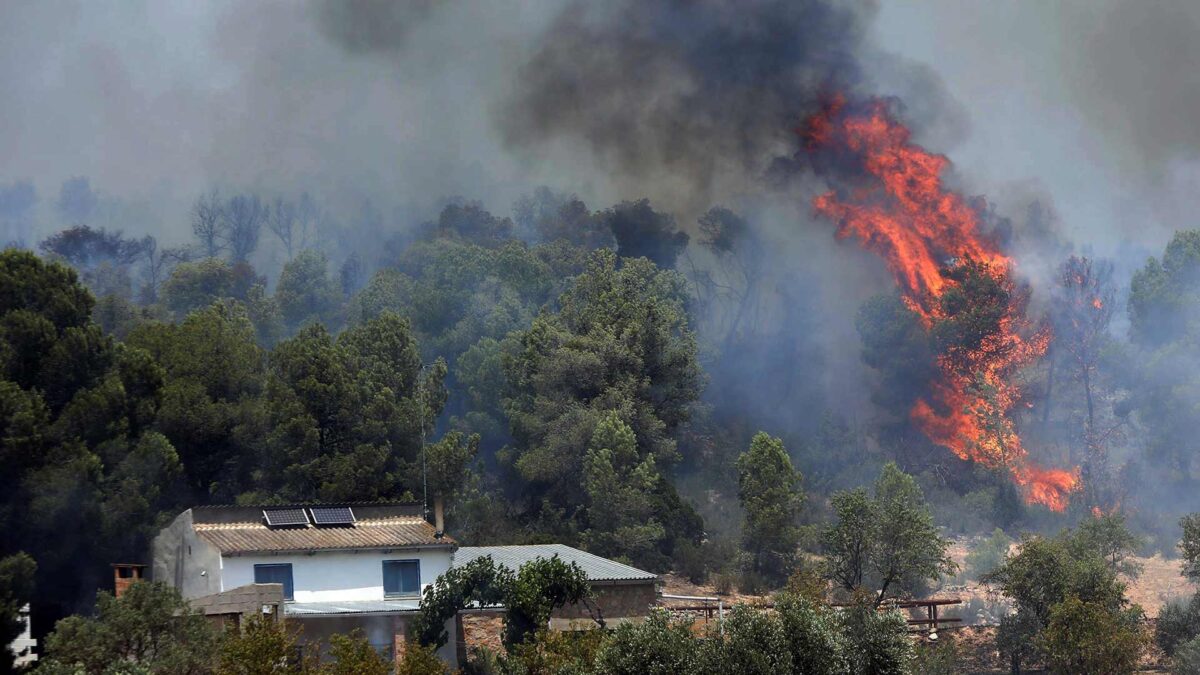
(903, 213)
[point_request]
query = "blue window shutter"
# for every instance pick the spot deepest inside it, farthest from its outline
(275, 574)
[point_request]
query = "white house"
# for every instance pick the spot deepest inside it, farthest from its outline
(22, 648)
(334, 568)
(340, 566)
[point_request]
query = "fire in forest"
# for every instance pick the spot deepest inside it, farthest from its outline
(953, 277)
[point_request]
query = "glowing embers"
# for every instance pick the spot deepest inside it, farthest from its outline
(895, 205)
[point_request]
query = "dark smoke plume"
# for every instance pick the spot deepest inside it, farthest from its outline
(707, 90)
(371, 25)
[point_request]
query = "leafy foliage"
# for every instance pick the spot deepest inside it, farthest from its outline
(1058, 582)
(1189, 545)
(149, 627)
(620, 343)
(657, 646)
(886, 542)
(1086, 637)
(878, 641)
(262, 646)
(769, 489)
(988, 555)
(353, 655)
(529, 596)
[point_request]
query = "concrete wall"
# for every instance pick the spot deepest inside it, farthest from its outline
(185, 561)
(615, 601)
(381, 631)
(336, 576)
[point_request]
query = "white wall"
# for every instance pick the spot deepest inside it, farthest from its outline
(335, 576)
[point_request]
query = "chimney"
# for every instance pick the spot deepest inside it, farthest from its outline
(439, 517)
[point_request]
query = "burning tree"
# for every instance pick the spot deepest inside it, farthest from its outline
(889, 196)
(1084, 301)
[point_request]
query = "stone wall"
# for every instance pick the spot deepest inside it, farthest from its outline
(615, 601)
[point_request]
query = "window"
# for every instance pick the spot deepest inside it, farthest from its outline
(275, 574)
(401, 577)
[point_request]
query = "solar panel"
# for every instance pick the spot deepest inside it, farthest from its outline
(285, 517)
(332, 515)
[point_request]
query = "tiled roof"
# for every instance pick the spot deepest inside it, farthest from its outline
(351, 607)
(235, 530)
(512, 557)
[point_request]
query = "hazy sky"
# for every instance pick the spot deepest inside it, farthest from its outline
(1091, 103)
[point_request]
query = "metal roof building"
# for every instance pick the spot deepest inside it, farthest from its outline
(598, 570)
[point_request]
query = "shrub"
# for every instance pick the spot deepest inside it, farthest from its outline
(1178, 622)
(988, 555)
(879, 641)
(754, 643)
(353, 655)
(690, 561)
(1187, 658)
(420, 660)
(813, 633)
(263, 646)
(938, 658)
(655, 647)
(1090, 637)
(723, 583)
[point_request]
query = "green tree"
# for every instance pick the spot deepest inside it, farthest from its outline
(529, 597)
(1187, 659)
(193, 285)
(478, 583)
(641, 231)
(214, 416)
(449, 462)
(348, 417)
(1179, 622)
(306, 293)
(771, 496)
(1042, 575)
(149, 627)
(886, 542)
(1109, 536)
(620, 342)
(1160, 372)
(540, 587)
(74, 407)
(621, 518)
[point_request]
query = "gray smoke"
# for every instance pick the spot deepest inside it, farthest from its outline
(699, 96)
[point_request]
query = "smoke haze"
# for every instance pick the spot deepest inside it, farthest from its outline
(1073, 118)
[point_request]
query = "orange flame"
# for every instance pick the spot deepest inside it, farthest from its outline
(905, 215)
